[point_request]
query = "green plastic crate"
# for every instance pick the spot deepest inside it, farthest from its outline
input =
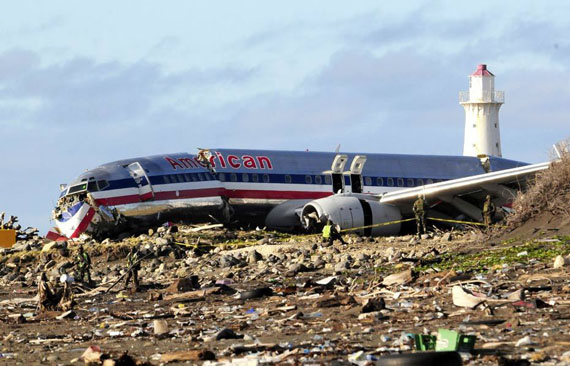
(450, 340)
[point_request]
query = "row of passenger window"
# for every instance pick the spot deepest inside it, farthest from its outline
(308, 179)
(320, 179)
(397, 182)
(181, 178)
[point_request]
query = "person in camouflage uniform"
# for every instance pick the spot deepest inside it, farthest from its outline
(83, 264)
(420, 214)
(133, 266)
(488, 211)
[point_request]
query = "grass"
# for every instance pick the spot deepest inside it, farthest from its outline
(490, 259)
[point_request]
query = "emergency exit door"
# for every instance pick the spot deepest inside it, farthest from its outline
(141, 179)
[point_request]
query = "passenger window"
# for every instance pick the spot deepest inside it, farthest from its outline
(400, 182)
(308, 179)
(390, 182)
(328, 179)
(410, 182)
(245, 177)
(318, 179)
(379, 182)
(430, 181)
(266, 178)
(287, 178)
(166, 179)
(233, 177)
(180, 178)
(254, 177)
(368, 181)
(222, 177)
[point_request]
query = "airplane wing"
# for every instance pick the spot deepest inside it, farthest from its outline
(465, 194)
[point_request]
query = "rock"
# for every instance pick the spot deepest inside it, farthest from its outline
(400, 278)
(161, 241)
(228, 261)
(160, 327)
(253, 257)
(184, 285)
(559, 262)
(362, 257)
(446, 237)
(342, 265)
(373, 304)
(296, 268)
(224, 333)
(92, 355)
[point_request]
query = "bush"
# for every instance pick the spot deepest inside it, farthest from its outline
(549, 192)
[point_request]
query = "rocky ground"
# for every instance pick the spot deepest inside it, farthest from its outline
(215, 296)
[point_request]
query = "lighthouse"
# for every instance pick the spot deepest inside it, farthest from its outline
(482, 103)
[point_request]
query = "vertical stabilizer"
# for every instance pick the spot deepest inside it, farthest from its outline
(482, 104)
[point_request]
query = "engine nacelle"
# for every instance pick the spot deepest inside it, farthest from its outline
(350, 211)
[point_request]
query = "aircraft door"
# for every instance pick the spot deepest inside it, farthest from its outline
(356, 173)
(337, 169)
(141, 179)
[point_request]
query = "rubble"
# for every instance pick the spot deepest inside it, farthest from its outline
(263, 297)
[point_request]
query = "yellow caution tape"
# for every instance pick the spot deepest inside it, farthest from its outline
(342, 231)
(460, 222)
(376, 225)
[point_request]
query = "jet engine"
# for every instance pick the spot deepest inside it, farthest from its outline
(352, 211)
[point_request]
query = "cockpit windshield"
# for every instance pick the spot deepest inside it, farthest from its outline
(90, 186)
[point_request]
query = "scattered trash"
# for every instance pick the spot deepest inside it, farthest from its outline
(465, 299)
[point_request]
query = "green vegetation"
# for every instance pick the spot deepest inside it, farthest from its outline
(486, 260)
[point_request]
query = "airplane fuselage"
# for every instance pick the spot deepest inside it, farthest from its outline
(241, 183)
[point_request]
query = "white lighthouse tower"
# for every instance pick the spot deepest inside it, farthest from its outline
(482, 104)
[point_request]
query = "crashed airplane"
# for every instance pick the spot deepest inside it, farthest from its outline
(284, 189)
(287, 189)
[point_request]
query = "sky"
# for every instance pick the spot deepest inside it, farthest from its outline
(85, 83)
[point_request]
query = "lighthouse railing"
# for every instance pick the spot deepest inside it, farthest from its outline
(482, 97)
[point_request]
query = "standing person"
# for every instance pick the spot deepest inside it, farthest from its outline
(46, 295)
(331, 233)
(83, 264)
(133, 266)
(420, 214)
(488, 211)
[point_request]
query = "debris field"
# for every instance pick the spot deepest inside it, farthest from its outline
(216, 296)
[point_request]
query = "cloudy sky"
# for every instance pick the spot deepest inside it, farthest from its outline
(84, 83)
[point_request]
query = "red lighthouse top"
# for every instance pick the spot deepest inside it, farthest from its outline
(482, 71)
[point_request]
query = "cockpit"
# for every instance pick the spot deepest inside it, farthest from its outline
(86, 185)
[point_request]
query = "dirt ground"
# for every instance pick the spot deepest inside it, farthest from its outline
(296, 319)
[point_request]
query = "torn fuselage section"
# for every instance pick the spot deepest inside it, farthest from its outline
(130, 195)
(77, 211)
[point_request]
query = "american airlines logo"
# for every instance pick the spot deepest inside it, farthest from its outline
(217, 159)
